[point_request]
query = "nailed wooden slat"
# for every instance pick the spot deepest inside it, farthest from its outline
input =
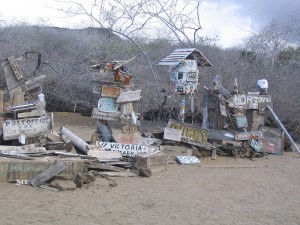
(47, 174)
(15, 67)
(129, 96)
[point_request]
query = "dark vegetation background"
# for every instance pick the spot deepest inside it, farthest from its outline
(68, 53)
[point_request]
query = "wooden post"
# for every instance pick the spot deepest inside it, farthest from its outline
(1, 106)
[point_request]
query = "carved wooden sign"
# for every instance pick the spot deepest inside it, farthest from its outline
(31, 127)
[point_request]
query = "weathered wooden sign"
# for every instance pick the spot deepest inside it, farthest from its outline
(33, 113)
(15, 67)
(129, 96)
(32, 127)
(110, 116)
(243, 136)
(110, 91)
(172, 134)
(248, 101)
(189, 134)
(107, 105)
(126, 149)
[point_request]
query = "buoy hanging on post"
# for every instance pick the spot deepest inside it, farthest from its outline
(182, 107)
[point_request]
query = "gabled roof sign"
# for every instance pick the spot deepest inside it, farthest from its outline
(185, 53)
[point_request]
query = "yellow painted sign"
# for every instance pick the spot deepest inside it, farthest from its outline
(190, 134)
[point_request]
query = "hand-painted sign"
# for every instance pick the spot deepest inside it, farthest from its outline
(126, 149)
(110, 116)
(110, 91)
(248, 101)
(32, 127)
(190, 134)
(107, 105)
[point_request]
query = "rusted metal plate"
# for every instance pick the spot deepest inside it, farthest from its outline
(189, 134)
(224, 135)
(129, 96)
(126, 149)
(110, 116)
(15, 67)
(271, 145)
(248, 101)
(172, 134)
(271, 132)
(32, 127)
(123, 77)
(110, 91)
(107, 105)
(243, 136)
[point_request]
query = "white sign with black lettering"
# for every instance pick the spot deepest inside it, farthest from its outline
(31, 127)
(126, 149)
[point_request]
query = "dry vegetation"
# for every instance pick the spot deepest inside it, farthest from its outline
(67, 54)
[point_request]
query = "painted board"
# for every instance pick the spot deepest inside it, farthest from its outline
(110, 91)
(172, 134)
(126, 149)
(107, 105)
(248, 101)
(129, 96)
(187, 159)
(190, 134)
(110, 116)
(32, 127)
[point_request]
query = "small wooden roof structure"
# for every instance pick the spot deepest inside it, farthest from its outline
(185, 53)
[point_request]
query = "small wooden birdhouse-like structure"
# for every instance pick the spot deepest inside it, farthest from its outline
(184, 76)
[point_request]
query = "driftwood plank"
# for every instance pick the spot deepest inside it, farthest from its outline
(104, 167)
(47, 174)
(116, 174)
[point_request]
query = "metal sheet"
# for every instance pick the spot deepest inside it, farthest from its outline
(32, 127)
(126, 149)
(271, 132)
(223, 135)
(107, 105)
(180, 54)
(241, 121)
(271, 145)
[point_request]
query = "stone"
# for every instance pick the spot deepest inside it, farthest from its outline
(150, 164)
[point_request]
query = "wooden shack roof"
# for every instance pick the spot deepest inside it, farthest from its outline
(185, 53)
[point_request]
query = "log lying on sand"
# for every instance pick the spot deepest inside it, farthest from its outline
(77, 141)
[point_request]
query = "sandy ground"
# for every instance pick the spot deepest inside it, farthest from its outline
(222, 191)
